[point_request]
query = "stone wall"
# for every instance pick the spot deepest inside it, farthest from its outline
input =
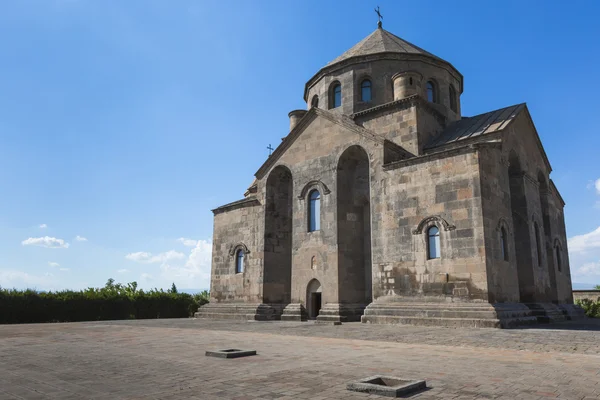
(503, 282)
(414, 195)
(543, 209)
(593, 295)
(312, 160)
(234, 227)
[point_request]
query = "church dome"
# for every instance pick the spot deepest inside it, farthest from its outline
(381, 41)
(383, 68)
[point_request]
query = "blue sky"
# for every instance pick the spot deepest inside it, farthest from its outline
(125, 122)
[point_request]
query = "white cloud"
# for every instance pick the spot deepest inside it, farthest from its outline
(589, 270)
(188, 242)
(584, 255)
(43, 226)
(597, 186)
(122, 271)
(46, 241)
(64, 269)
(195, 273)
(148, 258)
(80, 238)
(53, 264)
(586, 242)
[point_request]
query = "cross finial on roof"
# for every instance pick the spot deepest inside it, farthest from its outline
(379, 16)
(270, 148)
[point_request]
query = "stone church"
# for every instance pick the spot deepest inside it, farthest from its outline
(384, 204)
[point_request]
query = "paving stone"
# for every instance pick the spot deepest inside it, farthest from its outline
(164, 359)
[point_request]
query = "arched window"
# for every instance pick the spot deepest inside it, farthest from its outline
(504, 244)
(452, 94)
(433, 234)
(431, 92)
(314, 211)
(335, 95)
(365, 90)
(239, 261)
(538, 245)
(558, 260)
(315, 101)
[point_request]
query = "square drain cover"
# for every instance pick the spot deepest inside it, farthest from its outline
(389, 386)
(230, 353)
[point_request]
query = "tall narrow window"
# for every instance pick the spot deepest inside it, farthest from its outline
(433, 235)
(314, 211)
(239, 261)
(431, 94)
(336, 95)
(503, 244)
(538, 245)
(452, 93)
(558, 260)
(315, 101)
(365, 90)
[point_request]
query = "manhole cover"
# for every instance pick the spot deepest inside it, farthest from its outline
(389, 386)
(230, 353)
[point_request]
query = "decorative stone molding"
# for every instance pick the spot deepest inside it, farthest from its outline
(235, 247)
(323, 189)
(434, 218)
(503, 223)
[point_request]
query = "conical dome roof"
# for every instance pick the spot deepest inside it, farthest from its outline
(381, 41)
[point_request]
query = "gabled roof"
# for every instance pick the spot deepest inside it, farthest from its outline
(381, 41)
(338, 119)
(482, 124)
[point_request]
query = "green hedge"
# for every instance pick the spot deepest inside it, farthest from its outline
(591, 308)
(114, 301)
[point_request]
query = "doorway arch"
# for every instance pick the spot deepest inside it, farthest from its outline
(313, 298)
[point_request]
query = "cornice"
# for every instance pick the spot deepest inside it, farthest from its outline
(470, 148)
(247, 202)
(402, 103)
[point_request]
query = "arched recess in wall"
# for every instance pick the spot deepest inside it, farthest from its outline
(354, 226)
(546, 238)
(521, 236)
(503, 242)
(277, 279)
(558, 255)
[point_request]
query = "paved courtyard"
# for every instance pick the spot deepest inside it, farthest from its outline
(164, 359)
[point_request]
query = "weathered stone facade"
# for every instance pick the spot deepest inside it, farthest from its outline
(392, 162)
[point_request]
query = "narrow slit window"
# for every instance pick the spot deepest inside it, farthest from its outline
(538, 245)
(453, 102)
(558, 260)
(314, 211)
(431, 94)
(239, 261)
(433, 235)
(315, 101)
(503, 244)
(337, 96)
(365, 90)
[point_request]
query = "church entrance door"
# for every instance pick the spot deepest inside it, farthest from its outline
(313, 298)
(316, 304)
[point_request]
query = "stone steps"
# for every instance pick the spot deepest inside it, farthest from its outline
(258, 312)
(482, 315)
(547, 312)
